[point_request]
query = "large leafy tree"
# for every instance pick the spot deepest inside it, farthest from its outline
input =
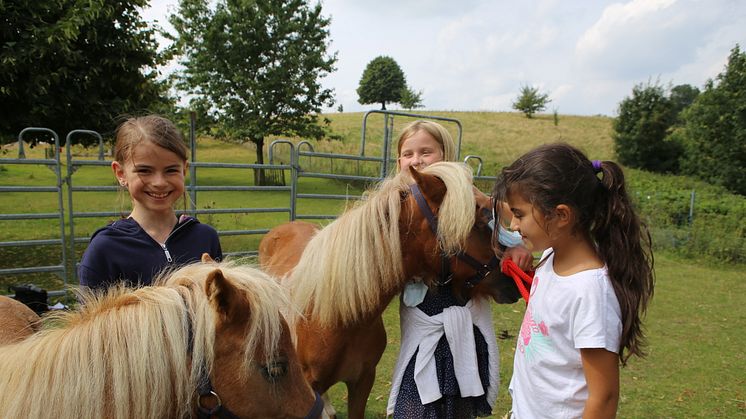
(641, 128)
(67, 64)
(383, 81)
(714, 131)
(531, 101)
(254, 66)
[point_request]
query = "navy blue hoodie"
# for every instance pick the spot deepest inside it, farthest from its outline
(123, 251)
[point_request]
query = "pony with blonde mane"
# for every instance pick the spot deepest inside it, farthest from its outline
(343, 276)
(147, 352)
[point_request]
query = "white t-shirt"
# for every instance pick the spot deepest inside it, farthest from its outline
(564, 314)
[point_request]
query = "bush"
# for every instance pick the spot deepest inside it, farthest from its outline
(640, 130)
(531, 101)
(718, 224)
(714, 130)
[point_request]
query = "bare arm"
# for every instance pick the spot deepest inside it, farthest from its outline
(601, 369)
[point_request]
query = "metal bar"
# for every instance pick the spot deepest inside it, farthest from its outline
(28, 188)
(192, 166)
(40, 242)
(78, 163)
(29, 161)
(93, 188)
(34, 269)
(339, 156)
(243, 232)
(314, 217)
(240, 165)
(56, 168)
(241, 210)
(339, 177)
(329, 196)
(37, 216)
(242, 188)
(479, 163)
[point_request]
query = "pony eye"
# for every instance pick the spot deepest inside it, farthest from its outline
(275, 370)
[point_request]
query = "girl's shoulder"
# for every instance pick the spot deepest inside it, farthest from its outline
(192, 225)
(122, 227)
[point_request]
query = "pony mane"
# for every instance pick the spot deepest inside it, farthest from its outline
(125, 353)
(350, 264)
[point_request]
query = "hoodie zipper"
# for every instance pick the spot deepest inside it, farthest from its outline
(179, 227)
(168, 254)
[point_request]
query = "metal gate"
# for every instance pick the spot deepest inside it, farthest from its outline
(306, 169)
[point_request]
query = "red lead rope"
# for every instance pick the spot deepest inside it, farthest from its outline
(521, 278)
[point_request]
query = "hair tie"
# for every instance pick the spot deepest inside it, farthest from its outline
(596, 165)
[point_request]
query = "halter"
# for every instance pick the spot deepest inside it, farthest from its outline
(205, 388)
(482, 270)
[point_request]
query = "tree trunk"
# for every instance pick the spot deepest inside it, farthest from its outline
(383, 106)
(259, 173)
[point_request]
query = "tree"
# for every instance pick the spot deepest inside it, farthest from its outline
(383, 81)
(682, 96)
(255, 65)
(411, 99)
(714, 129)
(531, 101)
(641, 128)
(68, 64)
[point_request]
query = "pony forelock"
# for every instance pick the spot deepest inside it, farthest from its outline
(457, 211)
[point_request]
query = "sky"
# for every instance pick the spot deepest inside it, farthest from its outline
(475, 55)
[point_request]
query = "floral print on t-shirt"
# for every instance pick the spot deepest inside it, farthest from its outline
(534, 335)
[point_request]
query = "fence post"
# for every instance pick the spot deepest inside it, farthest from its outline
(691, 207)
(192, 167)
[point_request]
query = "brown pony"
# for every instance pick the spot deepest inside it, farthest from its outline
(343, 276)
(208, 339)
(17, 321)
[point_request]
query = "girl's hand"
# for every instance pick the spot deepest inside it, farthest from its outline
(521, 256)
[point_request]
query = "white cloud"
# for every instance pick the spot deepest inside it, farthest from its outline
(646, 38)
(476, 54)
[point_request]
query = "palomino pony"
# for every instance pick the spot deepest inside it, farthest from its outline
(209, 340)
(343, 276)
(17, 321)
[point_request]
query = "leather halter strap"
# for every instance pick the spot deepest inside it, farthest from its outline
(482, 270)
(205, 388)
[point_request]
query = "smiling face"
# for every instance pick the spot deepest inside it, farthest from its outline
(420, 150)
(154, 177)
(529, 222)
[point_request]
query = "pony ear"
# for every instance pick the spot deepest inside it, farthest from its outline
(225, 297)
(207, 259)
(431, 186)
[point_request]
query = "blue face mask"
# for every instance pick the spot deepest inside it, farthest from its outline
(505, 237)
(414, 292)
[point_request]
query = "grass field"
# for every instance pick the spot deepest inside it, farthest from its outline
(695, 365)
(696, 362)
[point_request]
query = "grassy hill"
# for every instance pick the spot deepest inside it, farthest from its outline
(498, 137)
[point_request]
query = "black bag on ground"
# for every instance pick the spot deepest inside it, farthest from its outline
(31, 295)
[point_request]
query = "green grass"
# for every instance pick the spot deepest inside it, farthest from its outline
(695, 322)
(695, 365)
